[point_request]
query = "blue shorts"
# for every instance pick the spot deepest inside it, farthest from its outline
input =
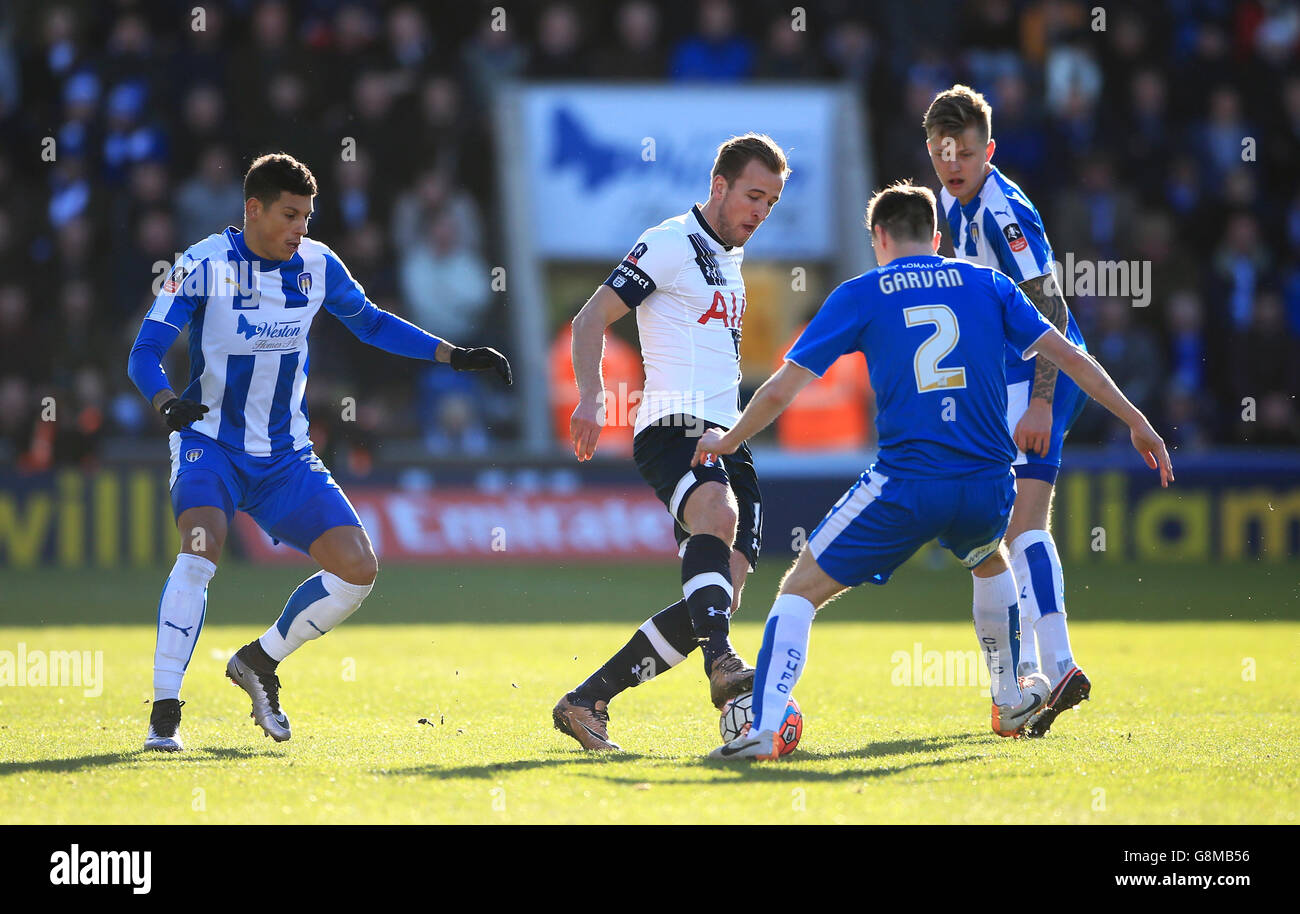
(292, 496)
(1067, 402)
(880, 522)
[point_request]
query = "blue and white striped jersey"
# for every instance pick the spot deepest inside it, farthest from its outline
(1001, 228)
(248, 335)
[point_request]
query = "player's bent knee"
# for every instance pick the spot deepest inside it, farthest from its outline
(716, 517)
(359, 567)
(711, 508)
(721, 523)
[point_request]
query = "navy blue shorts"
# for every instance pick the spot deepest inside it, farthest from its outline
(292, 496)
(879, 523)
(662, 452)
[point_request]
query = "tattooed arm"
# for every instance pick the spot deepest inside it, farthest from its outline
(1046, 296)
(1034, 431)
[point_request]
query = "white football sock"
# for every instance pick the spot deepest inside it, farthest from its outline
(1055, 638)
(781, 659)
(1044, 585)
(997, 624)
(1028, 605)
(316, 606)
(181, 610)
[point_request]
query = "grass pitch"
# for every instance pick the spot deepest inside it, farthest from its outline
(1192, 719)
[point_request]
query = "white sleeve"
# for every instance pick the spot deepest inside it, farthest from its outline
(653, 264)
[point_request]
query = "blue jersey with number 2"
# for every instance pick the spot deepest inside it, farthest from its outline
(934, 331)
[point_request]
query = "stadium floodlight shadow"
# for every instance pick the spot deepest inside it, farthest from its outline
(494, 769)
(109, 759)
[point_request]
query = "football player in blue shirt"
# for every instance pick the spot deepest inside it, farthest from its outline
(239, 430)
(934, 331)
(993, 223)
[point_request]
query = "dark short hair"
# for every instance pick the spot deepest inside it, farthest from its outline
(903, 210)
(270, 175)
(739, 151)
(955, 109)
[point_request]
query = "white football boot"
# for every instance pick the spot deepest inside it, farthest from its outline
(1011, 720)
(760, 745)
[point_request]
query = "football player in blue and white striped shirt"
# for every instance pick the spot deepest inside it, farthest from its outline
(994, 224)
(239, 430)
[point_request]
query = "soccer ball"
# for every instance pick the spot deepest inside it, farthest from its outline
(738, 716)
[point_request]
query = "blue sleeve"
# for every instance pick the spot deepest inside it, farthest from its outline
(385, 330)
(833, 331)
(182, 293)
(144, 365)
(1022, 323)
(344, 296)
(346, 300)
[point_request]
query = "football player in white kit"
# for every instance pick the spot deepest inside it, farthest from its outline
(682, 278)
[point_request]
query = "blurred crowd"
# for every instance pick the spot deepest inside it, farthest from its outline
(1168, 133)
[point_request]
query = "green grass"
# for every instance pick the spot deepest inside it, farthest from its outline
(1174, 733)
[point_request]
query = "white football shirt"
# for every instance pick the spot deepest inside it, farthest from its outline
(689, 297)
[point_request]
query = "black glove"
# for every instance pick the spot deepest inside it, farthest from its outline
(178, 413)
(481, 359)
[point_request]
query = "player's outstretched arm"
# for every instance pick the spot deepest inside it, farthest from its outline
(602, 309)
(768, 402)
(1093, 380)
(385, 330)
(1033, 433)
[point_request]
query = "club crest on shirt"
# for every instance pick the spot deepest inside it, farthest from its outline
(1015, 237)
(304, 283)
(193, 454)
(975, 233)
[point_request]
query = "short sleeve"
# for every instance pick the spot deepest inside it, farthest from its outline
(344, 296)
(1017, 236)
(834, 330)
(1023, 324)
(653, 263)
(182, 292)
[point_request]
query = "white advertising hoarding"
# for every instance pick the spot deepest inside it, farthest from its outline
(603, 163)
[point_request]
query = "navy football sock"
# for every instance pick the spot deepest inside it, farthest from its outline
(706, 585)
(662, 642)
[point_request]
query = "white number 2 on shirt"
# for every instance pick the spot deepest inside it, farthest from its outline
(929, 376)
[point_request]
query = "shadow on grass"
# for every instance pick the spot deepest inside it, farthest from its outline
(707, 768)
(554, 758)
(109, 759)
